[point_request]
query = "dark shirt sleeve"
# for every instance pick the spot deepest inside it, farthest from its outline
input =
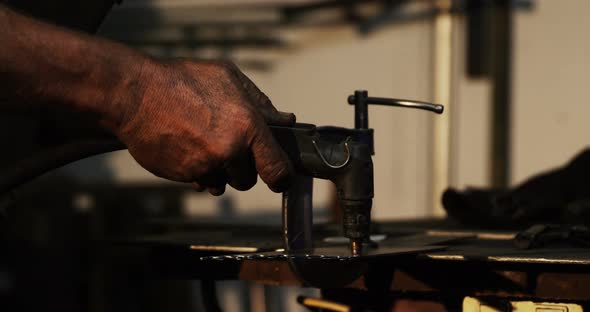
(83, 15)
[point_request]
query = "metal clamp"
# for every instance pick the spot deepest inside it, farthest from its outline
(317, 149)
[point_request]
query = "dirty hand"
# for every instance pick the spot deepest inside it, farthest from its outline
(202, 122)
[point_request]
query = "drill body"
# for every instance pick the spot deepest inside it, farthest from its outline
(342, 156)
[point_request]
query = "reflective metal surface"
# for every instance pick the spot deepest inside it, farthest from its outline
(298, 214)
(324, 267)
(334, 253)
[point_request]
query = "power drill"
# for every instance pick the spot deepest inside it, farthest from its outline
(343, 156)
(340, 155)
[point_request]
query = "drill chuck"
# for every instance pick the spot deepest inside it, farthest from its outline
(356, 223)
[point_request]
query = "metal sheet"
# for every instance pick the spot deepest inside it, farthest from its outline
(510, 255)
(334, 253)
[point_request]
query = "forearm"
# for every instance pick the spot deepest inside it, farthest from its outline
(42, 64)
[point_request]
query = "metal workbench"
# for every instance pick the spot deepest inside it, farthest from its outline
(455, 262)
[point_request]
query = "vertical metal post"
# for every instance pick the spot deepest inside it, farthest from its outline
(442, 87)
(298, 214)
(361, 110)
(501, 70)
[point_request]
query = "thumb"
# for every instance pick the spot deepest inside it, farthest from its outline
(278, 118)
(271, 162)
(271, 115)
(263, 104)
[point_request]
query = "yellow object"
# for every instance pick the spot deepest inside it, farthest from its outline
(324, 305)
(471, 304)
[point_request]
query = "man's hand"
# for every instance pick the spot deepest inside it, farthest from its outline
(199, 122)
(203, 122)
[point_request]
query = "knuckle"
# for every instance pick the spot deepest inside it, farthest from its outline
(265, 100)
(249, 125)
(250, 118)
(222, 152)
(195, 167)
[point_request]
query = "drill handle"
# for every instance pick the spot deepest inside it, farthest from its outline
(361, 100)
(340, 155)
(314, 151)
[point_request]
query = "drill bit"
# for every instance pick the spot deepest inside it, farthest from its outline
(356, 247)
